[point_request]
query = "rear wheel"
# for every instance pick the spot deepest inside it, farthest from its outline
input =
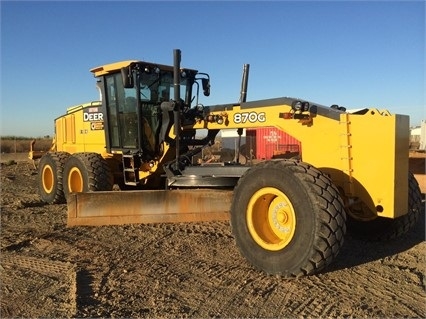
(287, 218)
(382, 228)
(86, 172)
(50, 177)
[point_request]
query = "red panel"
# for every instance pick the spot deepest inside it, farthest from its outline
(270, 142)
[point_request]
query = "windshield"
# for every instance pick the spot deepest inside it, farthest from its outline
(157, 88)
(133, 126)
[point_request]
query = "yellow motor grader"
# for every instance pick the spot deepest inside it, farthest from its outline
(288, 216)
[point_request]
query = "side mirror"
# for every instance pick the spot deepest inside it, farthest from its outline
(206, 86)
(127, 77)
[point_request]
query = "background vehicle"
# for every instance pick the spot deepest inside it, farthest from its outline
(288, 215)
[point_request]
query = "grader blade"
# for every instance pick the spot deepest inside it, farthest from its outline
(141, 207)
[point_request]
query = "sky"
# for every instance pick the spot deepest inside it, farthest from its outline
(352, 53)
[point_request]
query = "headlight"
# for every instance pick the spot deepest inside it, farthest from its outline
(219, 119)
(296, 106)
(299, 106)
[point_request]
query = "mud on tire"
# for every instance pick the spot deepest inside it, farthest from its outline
(84, 172)
(287, 218)
(50, 177)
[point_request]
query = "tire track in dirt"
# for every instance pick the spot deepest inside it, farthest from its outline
(193, 275)
(212, 284)
(360, 290)
(390, 287)
(195, 270)
(228, 286)
(43, 281)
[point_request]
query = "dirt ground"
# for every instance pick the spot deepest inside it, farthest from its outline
(184, 270)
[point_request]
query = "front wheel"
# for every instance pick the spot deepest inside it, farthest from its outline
(84, 172)
(287, 218)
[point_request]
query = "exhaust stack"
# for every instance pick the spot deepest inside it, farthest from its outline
(244, 83)
(243, 98)
(177, 108)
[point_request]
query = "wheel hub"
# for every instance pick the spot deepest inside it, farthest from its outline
(75, 180)
(279, 218)
(47, 179)
(271, 219)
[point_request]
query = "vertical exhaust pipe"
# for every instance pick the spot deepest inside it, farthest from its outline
(244, 83)
(243, 98)
(177, 107)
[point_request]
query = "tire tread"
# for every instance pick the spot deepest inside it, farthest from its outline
(331, 228)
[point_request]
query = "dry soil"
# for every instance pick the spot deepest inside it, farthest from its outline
(184, 270)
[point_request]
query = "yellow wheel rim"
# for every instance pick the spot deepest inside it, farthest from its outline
(75, 181)
(271, 219)
(47, 179)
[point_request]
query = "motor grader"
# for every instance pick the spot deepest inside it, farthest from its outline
(288, 216)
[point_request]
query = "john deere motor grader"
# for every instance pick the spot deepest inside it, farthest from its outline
(288, 216)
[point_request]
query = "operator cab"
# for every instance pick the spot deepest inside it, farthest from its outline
(133, 92)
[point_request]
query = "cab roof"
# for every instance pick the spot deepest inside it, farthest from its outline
(116, 66)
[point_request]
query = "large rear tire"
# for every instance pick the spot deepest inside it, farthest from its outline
(287, 218)
(381, 229)
(85, 172)
(50, 177)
